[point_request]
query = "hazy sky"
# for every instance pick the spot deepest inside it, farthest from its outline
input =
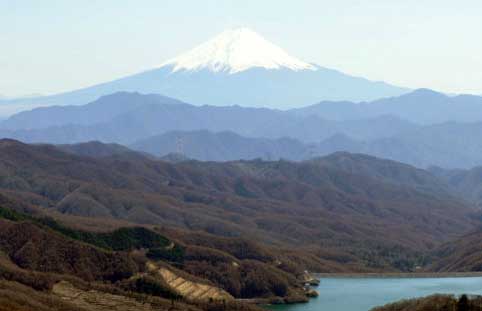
(48, 46)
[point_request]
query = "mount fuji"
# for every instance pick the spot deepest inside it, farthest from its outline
(236, 67)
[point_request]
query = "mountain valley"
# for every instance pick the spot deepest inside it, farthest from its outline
(235, 176)
(195, 221)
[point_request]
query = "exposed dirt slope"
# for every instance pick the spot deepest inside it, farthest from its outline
(189, 289)
(98, 301)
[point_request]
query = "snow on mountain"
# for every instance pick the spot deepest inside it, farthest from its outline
(236, 50)
(237, 67)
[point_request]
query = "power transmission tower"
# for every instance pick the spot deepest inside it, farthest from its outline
(180, 145)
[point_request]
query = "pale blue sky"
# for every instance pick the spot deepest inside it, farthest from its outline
(49, 46)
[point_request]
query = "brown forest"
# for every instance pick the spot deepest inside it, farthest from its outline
(99, 221)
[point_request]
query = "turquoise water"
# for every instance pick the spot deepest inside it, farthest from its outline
(364, 294)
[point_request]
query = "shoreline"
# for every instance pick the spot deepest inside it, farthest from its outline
(396, 275)
(369, 275)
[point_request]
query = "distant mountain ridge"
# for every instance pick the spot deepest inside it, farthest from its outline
(448, 145)
(99, 111)
(237, 67)
(421, 106)
(467, 182)
(128, 117)
(223, 146)
(162, 125)
(425, 147)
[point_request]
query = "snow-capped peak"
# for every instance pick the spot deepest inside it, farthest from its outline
(234, 51)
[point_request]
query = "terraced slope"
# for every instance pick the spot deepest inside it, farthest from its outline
(97, 301)
(189, 289)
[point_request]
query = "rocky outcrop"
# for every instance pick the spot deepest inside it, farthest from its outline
(311, 293)
(309, 279)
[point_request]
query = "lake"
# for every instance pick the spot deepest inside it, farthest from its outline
(348, 294)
